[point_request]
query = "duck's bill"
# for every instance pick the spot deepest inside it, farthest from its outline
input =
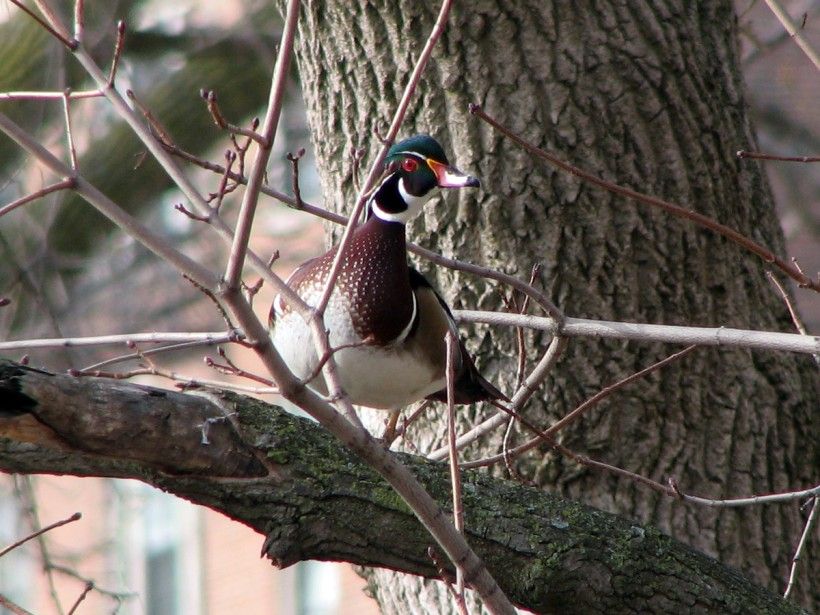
(451, 177)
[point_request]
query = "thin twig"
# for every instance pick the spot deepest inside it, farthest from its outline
(444, 577)
(239, 248)
(213, 299)
(231, 369)
(16, 609)
(505, 444)
(224, 188)
(549, 439)
(798, 324)
(402, 429)
(794, 32)
(75, 517)
(183, 382)
(522, 347)
(161, 350)
(761, 156)
(29, 95)
(606, 467)
(150, 368)
(452, 350)
(156, 337)
(158, 131)
(119, 44)
(188, 213)
(676, 210)
(65, 184)
(774, 498)
(52, 18)
(576, 413)
(79, 21)
(25, 490)
(804, 539)
(62, 37)
(297, 191)
(239, 178)
(216, 113)
(609, 390)
(329, 353)
(531, 291)
(242, 150)
(88, 587)
(356, 157)
(251, 290)
(608, 329)
(521, 370)
(72, 151)
(70, 572)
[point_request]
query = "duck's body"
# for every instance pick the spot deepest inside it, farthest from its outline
(384, 316)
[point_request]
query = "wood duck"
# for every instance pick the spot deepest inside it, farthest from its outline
(386, 309)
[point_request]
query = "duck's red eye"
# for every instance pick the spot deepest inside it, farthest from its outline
(409, 164)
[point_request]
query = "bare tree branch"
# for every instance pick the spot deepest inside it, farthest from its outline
(75, 517)
(313, 499)
(606, 329)
(794, 32)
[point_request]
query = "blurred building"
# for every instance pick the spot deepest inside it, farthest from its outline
(150, 553)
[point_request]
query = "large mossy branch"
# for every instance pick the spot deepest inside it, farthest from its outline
(289, 480)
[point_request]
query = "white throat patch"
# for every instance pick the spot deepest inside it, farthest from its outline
(414, 205)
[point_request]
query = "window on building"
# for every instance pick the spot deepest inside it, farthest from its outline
(318, 588)
(160, 549)
(17, 568)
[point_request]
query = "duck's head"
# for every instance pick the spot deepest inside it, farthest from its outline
(414, 167)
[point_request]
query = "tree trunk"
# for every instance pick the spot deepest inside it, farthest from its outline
(645, 94)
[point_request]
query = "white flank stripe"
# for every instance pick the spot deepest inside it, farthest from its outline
(406, 331)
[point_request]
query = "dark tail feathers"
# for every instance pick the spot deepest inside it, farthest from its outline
(470, 386)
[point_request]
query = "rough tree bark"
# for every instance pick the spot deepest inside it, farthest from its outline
(648, 95)
(288, 479)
